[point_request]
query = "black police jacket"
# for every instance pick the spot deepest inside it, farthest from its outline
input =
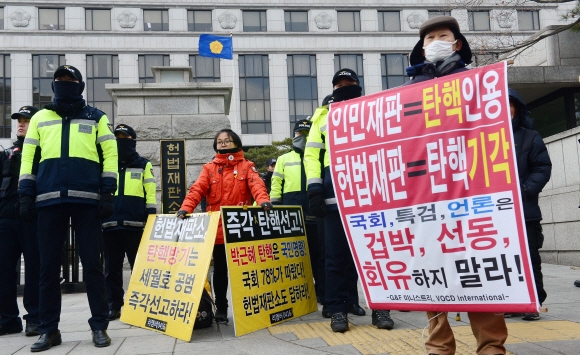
(10, 160)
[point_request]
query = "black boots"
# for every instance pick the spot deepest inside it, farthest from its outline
(221, 314)
(101, 338)
(46, 341)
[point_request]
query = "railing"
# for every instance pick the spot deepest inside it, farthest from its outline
(72, 279)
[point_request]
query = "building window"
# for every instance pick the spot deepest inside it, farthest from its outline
(97, 20)
(147, 61)
(254, 21)
(393, 72)
(5, 96)
(43, 68)
(478, 20)
(205, 69)
(528, 20)
(439, 13)
(199, 21)
(348, 21)
(51, 19)
(556, 112)
(155, 20)
(351, 61)
(1, 18)
(254, 94)
(389, 21)
(101, 70)
(296, 21)
(302, 87)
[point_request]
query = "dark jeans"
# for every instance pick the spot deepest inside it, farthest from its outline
(220, 276)
(53, 229)
(535, 242)
(341, 276)
(117, 244)
(18, 238)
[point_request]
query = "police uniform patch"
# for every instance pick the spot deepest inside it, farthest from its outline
(152, 172)
(110, 127)
(85, 128)
(135, 175)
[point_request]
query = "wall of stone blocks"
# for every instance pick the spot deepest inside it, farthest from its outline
(560, 200)
(173, 111)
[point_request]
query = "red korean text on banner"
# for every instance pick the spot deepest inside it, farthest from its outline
(427, 187)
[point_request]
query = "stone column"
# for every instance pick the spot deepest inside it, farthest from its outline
(168, 109)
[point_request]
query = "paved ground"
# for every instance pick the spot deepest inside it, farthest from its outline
(558, 332)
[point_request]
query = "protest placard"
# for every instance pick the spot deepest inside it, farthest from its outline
(428, 191)
(170, 273)
(269, 266)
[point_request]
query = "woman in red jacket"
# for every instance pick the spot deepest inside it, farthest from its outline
(229, 180)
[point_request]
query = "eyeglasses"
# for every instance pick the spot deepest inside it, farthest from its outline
(226, 142)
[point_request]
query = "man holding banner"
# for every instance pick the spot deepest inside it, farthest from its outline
(442, 50)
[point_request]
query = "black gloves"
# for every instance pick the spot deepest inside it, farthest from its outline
(317, 204)
(27, 209)
(181, 214)
(266, 205)
(105, 208)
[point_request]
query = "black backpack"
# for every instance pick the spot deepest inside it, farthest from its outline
(205, 311)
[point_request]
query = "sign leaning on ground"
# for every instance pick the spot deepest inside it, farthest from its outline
(170, 273)
(269, 266)
(428, 191)
(173, 175)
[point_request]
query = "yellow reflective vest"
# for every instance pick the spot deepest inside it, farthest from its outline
(68, 160)
(289, 182)
(135, 198)
(317, 160)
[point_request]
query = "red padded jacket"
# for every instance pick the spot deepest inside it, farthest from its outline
(229, 180)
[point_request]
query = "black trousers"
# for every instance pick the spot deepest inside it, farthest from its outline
(341, 276)
(53, 229)
(117, 244)
(315, 237)
(535, 242)
(16, 238)
(220, 276)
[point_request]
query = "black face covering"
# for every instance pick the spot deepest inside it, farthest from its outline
(228, 151)
(67, 96)
(347, 92)
(126, 150)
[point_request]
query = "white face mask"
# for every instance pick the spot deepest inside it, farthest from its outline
(438, 50)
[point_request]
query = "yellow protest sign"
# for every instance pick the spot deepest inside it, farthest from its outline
(170, 272)
(269, 266)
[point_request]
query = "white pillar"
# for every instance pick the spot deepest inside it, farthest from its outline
(128, 68)
(279, 97)
(372, 70)
(21, 74)
(325, 72)
(179, 59)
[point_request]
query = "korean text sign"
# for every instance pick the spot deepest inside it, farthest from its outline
(170, 272)
(428, 190)
(173, 174)
(269, 266)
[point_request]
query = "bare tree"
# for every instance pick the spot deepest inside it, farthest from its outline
(490, 47)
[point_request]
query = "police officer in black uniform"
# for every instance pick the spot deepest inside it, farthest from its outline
(68, 176)
(16, 238)
(134, 201)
